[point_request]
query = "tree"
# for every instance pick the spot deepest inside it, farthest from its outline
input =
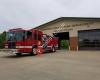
(2, 39)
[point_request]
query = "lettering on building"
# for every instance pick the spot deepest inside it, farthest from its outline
(68, 27)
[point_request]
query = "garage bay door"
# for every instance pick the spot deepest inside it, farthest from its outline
(89, 39)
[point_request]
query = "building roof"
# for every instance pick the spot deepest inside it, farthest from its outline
(69, 18)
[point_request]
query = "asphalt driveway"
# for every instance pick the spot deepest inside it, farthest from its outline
(62, 65)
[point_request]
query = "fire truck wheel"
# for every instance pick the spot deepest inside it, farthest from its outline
(53, 49)
(18, 54)
(34, 51)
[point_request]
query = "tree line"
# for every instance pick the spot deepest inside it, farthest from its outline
(2, 39)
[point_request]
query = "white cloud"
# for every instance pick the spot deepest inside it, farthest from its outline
(31, 13)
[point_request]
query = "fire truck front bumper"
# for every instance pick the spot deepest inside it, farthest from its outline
(12, 51)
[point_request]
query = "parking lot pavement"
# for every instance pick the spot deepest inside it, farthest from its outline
(62, 65)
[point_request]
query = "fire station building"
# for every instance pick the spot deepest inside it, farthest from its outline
(76, 33)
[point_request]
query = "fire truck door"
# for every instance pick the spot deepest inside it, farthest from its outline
(28, 41)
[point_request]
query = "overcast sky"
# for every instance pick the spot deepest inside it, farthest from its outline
(31, 13)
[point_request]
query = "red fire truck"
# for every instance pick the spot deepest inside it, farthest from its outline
(30, 41)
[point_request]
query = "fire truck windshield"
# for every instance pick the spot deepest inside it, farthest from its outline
(15, 36)
(10, 36)
(19, 36)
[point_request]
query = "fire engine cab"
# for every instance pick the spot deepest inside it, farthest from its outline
(30, 41)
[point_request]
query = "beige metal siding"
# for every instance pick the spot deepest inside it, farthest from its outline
(70, 26)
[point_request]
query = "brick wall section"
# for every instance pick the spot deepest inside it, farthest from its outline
(73, 43)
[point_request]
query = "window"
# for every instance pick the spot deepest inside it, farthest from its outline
(29, 35)
(37, 36)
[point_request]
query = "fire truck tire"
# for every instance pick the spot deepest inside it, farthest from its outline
(33, 51)
(18, 54)
(53, 49)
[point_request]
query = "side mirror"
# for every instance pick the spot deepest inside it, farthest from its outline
(23, 38)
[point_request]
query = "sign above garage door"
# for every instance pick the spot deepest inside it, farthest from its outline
(70, 27)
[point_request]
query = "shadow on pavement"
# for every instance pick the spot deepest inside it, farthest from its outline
(15, 56)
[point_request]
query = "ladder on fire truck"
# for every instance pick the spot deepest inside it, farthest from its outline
(46, 40)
